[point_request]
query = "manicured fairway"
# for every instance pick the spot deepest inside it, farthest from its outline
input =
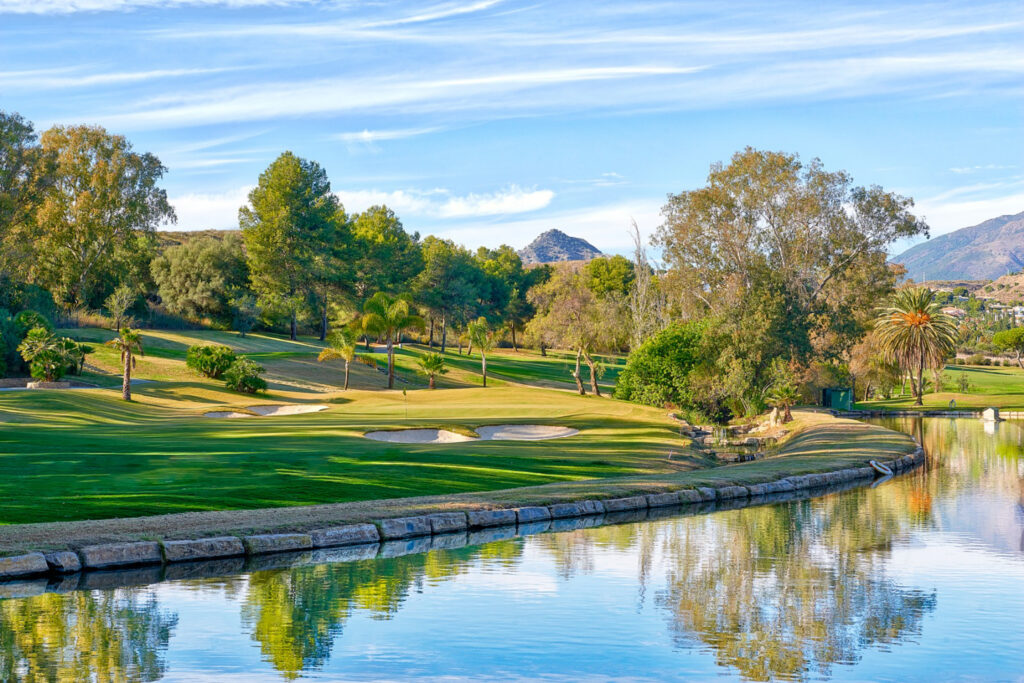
(1002, 387)
(86, 454)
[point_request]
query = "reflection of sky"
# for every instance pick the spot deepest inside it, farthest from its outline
(584, 605)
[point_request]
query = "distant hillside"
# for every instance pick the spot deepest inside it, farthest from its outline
(171, 238)
(982, 252)
(1009, 289)
(555, 245)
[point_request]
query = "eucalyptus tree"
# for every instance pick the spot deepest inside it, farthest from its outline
(293, 227)
(387, 316)
(571, 316)
(129, 344)
(25, 174)
(94, 225)
(913, 331)
(789, 259)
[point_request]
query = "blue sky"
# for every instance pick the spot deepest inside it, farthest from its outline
(488, 121)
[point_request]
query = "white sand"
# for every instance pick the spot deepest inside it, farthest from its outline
(226, 413)
(270, 411)
(525, 432)
(418, 436)
(492, 433)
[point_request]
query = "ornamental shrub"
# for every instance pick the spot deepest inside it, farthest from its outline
(657, 373)
(209, 360)
(244, 376)
(26, 321)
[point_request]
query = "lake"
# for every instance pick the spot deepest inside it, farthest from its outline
(918, 579)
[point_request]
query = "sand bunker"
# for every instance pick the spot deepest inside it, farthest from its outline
(524, 432)
(269, 411)
(491, 433)
(418, 436)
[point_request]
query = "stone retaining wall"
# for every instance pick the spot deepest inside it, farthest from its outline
(406, 534)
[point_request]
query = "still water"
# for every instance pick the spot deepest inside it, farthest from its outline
(918, 579)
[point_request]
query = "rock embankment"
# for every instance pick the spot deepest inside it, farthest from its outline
(441, 524)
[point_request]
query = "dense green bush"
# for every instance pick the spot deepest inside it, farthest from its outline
(244, 376)
(657, 373)
(29, 320)
(209, 360)
(47, 356)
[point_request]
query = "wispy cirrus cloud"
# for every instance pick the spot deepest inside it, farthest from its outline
(62, 78)
(369, 137)
(75, 6)
(326, 96)
(445, 11)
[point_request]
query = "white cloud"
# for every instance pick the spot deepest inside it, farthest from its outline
(401, 201)
(441, 203)
(965, 170)
(201, 211)
(946, 216)
(371, 136)
(510, 200)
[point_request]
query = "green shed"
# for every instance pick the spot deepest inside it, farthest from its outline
(837, 398)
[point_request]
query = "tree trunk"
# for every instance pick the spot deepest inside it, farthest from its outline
(920, 384)
(469, 350)
(514, 349)
(391, 364)
(294, 326)
(444, 332)
(576, 374)
(1019, 363)
(483, 366)
(787, 415)
(543, 350)
(593, 374)
(126, 380)
(346, 375)
(431, 385)
(430, 342)
(366, 341)
(323, 323)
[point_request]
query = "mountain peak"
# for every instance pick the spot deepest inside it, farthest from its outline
(984, 251)
(554, 245)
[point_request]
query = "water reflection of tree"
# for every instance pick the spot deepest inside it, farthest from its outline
(101, 636)
(296, 614)
(784, 590)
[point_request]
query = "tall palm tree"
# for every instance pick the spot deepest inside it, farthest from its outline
(432, 365)
(913, 331)
(129, 343)
(342, 344)
(481, 337)
(386, 316)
